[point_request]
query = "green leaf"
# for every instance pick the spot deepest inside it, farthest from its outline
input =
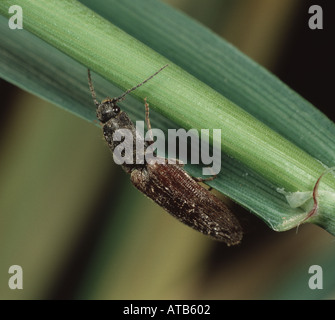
(271, 137)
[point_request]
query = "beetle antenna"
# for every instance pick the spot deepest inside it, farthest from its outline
(143, 82)
(94, 97)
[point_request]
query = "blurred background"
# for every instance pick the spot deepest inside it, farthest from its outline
(71, 218)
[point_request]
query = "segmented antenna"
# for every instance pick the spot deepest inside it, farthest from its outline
(92, 88)
(125, 93)
(143, 82)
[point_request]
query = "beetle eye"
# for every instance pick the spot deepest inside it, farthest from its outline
(116, 109)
